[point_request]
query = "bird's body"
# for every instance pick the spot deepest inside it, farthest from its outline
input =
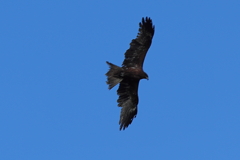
(131, 73)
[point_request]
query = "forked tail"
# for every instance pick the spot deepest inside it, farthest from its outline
(113, 75)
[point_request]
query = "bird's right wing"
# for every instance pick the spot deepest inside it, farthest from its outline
(135, 55)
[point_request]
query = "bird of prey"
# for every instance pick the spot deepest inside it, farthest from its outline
(131, 73)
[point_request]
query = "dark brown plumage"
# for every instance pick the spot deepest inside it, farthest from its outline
(131, 73)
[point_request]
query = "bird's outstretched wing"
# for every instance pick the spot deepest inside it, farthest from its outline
(135, 55)
(128, 100)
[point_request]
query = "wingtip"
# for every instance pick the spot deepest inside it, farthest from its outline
(146, 19)
(122, 126)
(147, 22)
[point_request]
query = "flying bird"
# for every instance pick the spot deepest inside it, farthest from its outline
(131, 73)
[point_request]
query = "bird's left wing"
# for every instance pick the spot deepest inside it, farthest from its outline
(128, 100)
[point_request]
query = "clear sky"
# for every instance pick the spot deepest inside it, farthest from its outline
(54, 102)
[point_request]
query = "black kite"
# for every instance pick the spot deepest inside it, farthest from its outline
(131, 73)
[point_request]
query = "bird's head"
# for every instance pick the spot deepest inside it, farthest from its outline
(145, 76)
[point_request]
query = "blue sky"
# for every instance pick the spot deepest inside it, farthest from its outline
(55, 103)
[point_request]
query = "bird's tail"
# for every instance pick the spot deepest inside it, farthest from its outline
(113, 75)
